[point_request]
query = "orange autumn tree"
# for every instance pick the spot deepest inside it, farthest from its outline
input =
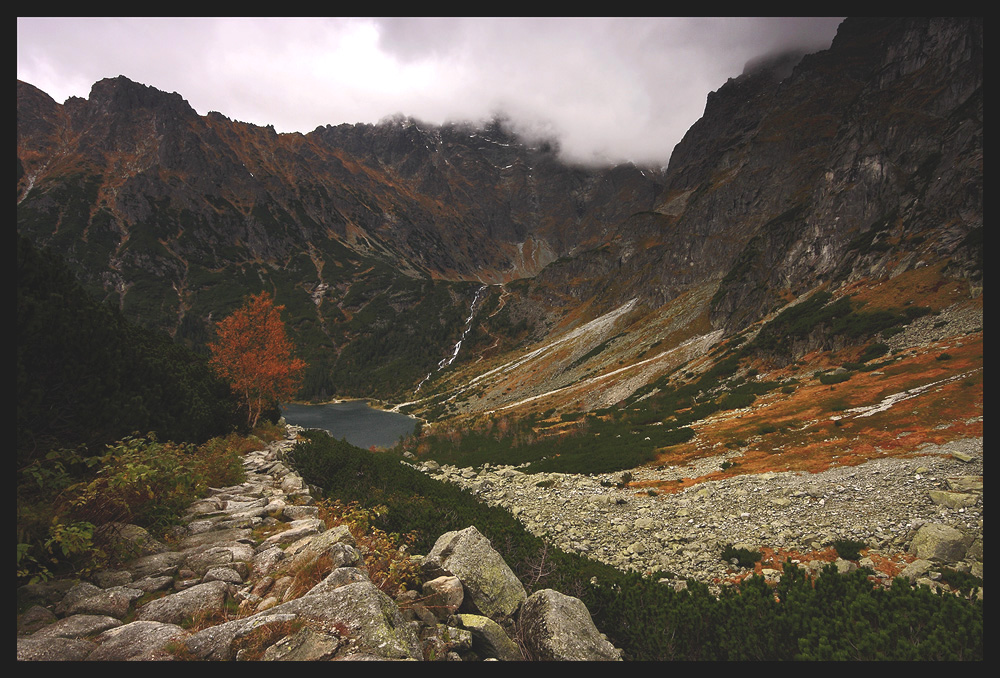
(254, 354)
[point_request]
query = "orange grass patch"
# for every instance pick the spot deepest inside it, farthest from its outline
(813, 428)
(890, 566)
(924, 286)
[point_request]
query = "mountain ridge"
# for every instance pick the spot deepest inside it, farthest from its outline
(856, 163)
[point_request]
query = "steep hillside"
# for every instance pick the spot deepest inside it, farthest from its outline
(389, 244)
(365, 233)
(859, 165)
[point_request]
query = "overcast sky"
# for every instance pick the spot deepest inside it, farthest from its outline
(610, 89)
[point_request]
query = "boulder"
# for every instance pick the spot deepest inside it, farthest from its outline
(557, 627)
(311, 547)
(128, 540)
(138, 641)
(443, 596)
(115, 602)
(491, 587)
(78, 626)
(342, 576)
(306, 645)
(488, 638)
(200, 600)
(53, 649)
(939, 543)
(953, 500)
(35, 618)
(370, 617)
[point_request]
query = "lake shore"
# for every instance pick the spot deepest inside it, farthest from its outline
(363, 422)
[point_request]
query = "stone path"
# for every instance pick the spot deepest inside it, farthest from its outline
(215, 561)
(254, 574)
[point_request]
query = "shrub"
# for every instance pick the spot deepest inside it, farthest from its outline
(140, 481)
(827, 378)
(743, 557)
(849, 549)
(736, 400)
(963, 582)
(64, 498)
(874, 350)
(219, 460)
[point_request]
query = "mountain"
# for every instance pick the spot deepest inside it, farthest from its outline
(388, 244)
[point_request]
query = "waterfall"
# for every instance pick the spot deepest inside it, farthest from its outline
(448, 360)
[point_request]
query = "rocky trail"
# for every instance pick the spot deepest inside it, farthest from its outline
(223, 591)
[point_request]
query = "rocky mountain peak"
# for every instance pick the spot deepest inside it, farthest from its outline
(121, 95)
(778, 65)
(803, 171)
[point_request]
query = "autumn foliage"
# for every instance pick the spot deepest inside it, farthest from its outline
(254, 354)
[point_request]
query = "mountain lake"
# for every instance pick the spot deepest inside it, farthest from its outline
(352, 420)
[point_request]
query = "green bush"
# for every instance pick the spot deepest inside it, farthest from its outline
(834, 617)
(827, 378)
(744, 557)
(849, 549)
(874, 350)
(139, 481)
(963, 582)
(63, 499)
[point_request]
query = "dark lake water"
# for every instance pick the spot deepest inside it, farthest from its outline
(354, 421)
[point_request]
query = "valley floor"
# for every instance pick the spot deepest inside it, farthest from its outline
(791, 516)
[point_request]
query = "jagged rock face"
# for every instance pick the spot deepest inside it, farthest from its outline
(857, 161)
(453, 201)
(860, 139)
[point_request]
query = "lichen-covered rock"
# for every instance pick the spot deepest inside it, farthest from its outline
(489, 640)
(342, 576)
(35, 618)
(443, 596)
(114, 602)
(490, 585)
(953, 500)
(370, 617)
(53, 649)
(311, 547)
(939, 543)
(202, 599)
(138, 641)
(557, 627)
(306, 645)
(221, 555)
(78, 626)
(130, 539)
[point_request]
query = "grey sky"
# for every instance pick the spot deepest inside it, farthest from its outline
(611, 89)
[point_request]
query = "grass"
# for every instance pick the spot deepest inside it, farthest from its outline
(63, 499)
(937, 416)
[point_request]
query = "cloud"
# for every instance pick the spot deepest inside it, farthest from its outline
(612, 89)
